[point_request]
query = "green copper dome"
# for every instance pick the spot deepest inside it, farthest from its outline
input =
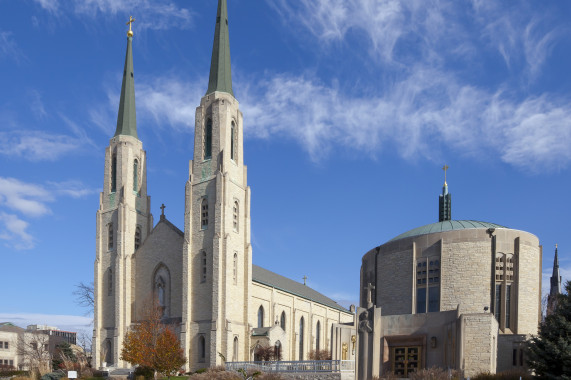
(447, 225)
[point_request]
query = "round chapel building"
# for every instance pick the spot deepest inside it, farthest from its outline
(457, 294)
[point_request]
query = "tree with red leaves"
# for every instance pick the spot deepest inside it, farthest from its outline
(154, 345)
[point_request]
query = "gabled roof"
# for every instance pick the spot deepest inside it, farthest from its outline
(10, 327)
(274, 280)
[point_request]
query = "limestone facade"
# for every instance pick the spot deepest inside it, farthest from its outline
(467, 294)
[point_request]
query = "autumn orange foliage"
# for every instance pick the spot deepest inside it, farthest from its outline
(153, 344)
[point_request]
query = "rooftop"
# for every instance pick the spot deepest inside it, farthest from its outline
(266, 277)
(447, 225)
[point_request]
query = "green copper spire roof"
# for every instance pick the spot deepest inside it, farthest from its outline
(220, 73)
(126, 119)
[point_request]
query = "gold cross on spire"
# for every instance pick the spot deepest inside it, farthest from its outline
(445, 167)
(130, 32)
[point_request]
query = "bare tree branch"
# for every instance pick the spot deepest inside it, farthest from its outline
(83, 294)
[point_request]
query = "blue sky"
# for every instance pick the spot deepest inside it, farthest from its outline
(351, 108)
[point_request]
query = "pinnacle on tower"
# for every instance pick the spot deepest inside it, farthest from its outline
(220, 73)
(445, 201)
(555, 276)
(126, 118)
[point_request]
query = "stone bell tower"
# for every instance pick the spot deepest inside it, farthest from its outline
(123, 222)
(217, 255)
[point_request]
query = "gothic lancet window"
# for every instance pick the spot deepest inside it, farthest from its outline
(261, 316)
(232, 142)
(317, 336)
(114, 173)
(137, 237)
(204, 214)
(161, 288)
(110, 236)
(235, 216)
(201, 349)
(235, 269)
(110, 282)
(283, 321)
(136, 176)
(208, 140)
(301, 328)
(203, 259)
(235, 349)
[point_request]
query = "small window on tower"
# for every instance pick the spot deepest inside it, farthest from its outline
(110, 236)
(110, 282)
(208, 140)
(114, 173)
(204, 214)
(233, 142)
(235, 271)
(137, 238)
(203, 259)
(235, 216)
(136, 176)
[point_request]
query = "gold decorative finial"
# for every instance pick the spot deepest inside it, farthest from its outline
(555, 245)
(130, 32)
(445, 167)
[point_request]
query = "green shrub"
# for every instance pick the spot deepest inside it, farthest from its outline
(10, 373)
(506, 375)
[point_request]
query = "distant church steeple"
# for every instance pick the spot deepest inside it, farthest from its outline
(555, 289)
(445, 201)
(220, 73)
(126, 118)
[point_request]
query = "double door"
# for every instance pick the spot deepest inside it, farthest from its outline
(405, 360)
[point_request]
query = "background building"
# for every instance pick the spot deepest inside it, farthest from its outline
(455, 294)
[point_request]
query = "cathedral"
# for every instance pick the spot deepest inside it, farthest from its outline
(203, 278)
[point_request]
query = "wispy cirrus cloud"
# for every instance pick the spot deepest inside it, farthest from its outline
(37, 145)
(63, 322)
(26, 200)
(9, 48)
(155, 15)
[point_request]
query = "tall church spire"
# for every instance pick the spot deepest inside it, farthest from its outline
(555, 289)
(220, 73)
(126, 119)
(445, 201)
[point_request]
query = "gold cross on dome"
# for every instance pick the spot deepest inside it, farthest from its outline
(445, 168)
(130, 22)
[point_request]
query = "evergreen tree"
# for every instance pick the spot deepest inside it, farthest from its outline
(549, 353)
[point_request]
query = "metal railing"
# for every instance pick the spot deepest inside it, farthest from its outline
(295, 366)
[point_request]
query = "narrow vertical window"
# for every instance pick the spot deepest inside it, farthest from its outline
(110, 236)
(508, 305)
(232, 139)
(208, 139)
(301, 333)
(283, 321)
(261, 316)
(136, 176)
(203, 259)
(137, 237)
(110, 282)
(114, 173)
(317, 336)
(235, 216)
(201, 348)
(498, 304)
(235, 351)
(204, 214)
(235, 269)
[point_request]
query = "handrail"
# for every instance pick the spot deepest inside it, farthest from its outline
(295, 366)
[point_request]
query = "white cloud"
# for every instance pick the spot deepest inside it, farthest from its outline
(169, 100)
(13, 231)
(36, 145)
(157, 15)
(30, 200)
(72, 323)
(415, 115)
(8, 47)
